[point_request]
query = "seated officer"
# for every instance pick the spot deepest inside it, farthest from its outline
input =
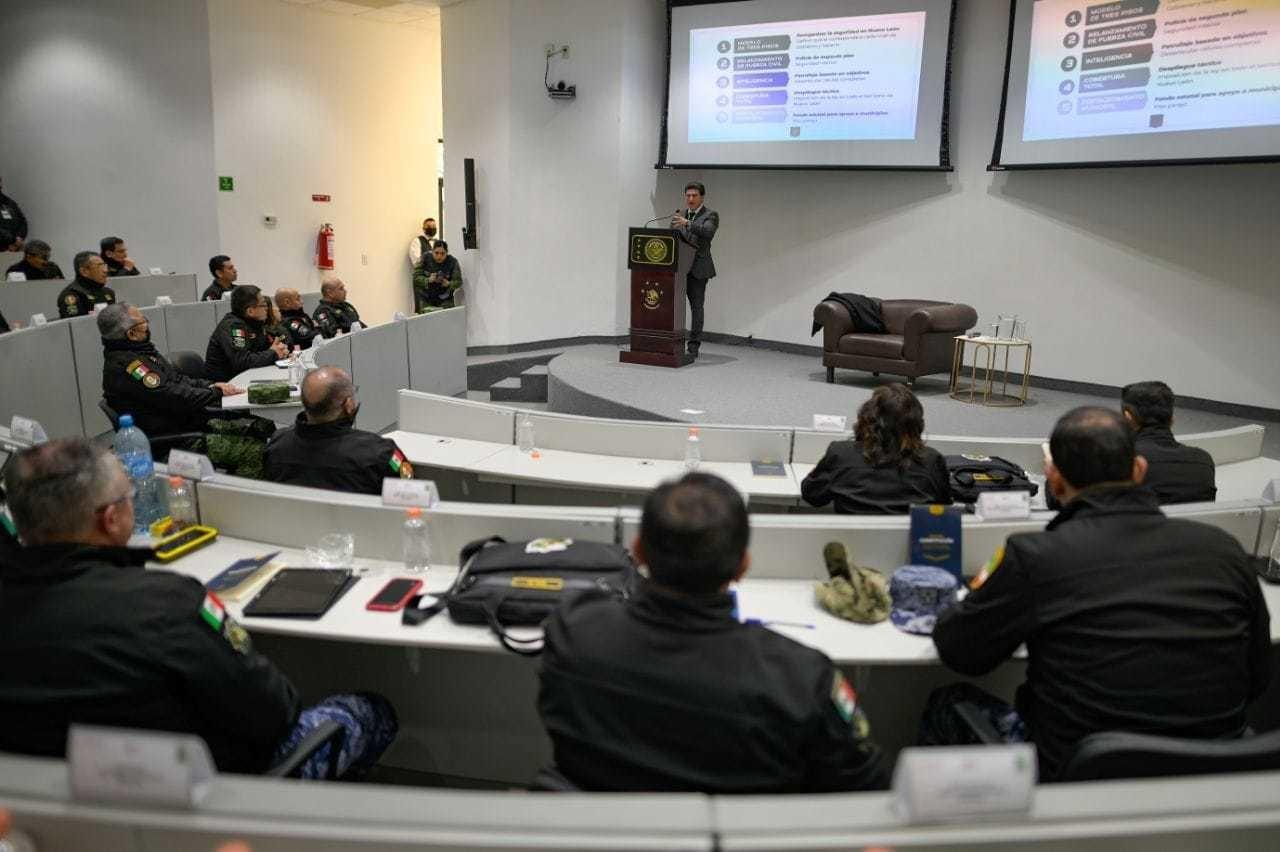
(88, 289)
(335, 314)
(1133, 621)
(224, 278)
(325, 450)
(138, 380)
(887, 466)
(240, 341)
(301, 328)
(436, 279)
(35, 264)
(1176, 472)
(668, 691)
(116, 254)
(88, 636)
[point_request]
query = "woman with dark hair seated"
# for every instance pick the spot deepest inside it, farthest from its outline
(241, 341)
(887, 467)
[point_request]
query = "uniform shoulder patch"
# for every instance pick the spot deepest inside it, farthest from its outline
(70, 299)
(994, 563)
(846, 704)
(400, 465)
(150, 378)
(213, 612)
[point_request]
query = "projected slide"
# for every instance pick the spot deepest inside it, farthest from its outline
(1151, 67)
(829, 79)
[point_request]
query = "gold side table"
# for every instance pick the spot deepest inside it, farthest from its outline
(983, 391)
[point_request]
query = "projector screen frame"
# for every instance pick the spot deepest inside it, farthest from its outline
(944, 153)
(996, 166)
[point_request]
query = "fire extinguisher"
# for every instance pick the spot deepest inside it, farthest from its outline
(324, 247)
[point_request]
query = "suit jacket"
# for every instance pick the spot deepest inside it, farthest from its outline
(698, 234)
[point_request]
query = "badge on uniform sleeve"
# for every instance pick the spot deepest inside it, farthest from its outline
(213, 612)
(400, 465)
(846, 702)
(996, 560)
(237, 338)
(70, 300)
(150, 378)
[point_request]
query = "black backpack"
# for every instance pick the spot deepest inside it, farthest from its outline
(972, 474)
(518, 584)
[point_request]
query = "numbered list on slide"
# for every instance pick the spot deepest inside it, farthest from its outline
(827, 79)
(1151, 66)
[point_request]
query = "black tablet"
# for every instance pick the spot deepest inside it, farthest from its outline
(300, 593)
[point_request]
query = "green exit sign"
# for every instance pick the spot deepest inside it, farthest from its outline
(226, 183)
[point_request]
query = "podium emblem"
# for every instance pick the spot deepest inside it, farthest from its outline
(652, 298)
(655, 251)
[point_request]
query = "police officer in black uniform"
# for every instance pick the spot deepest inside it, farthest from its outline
(224, 278)
(240, 341)
(116, 254)
(668, 691)
(325, 450)
(300, 327)
(35, 264)
(88, 289)
(1176, 472)
(91, 637)
(138, 380)
(1133, 621)
(12, 222)
(335, 313)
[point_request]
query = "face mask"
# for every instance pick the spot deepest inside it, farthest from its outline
(430, 232)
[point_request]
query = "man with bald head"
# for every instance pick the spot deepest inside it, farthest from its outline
(325, 450)
(301, 328)
(335, 313)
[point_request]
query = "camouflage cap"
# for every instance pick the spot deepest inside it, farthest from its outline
(864, 600)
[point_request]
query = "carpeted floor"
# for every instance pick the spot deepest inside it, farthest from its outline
(738, 384)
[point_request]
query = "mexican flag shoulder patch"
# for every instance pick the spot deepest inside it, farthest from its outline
(213, 612)
(400, 465)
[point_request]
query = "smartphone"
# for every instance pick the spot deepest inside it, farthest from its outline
(394, 595)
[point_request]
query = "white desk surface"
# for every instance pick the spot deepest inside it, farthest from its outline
(1245, 480)
(283, 413)
(444, 451)
(791, 601)
(624, 473)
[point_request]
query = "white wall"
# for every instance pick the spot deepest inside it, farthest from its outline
(1123, 274)
(106, 124)
(309, 102)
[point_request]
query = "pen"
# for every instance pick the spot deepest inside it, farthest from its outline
(763, 623)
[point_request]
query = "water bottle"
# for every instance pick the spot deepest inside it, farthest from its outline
(182, 509)
(417, 546)
(296, 371)
(134, 451)
(524, 434)
(692, 449)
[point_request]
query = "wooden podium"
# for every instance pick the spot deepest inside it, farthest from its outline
(658, 268)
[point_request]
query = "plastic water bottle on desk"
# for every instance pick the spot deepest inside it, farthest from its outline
(692, 449)
(134, 451)
(417, 545)
(297, 372)
(182, 509)
(524, 434)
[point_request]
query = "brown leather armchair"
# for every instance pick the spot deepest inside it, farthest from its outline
(919, 341)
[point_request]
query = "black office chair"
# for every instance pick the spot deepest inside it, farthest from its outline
(326, 732)
(190, 363)
(160, 444)
(1116, 754)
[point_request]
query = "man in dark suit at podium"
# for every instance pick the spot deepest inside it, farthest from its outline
(697, 227)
